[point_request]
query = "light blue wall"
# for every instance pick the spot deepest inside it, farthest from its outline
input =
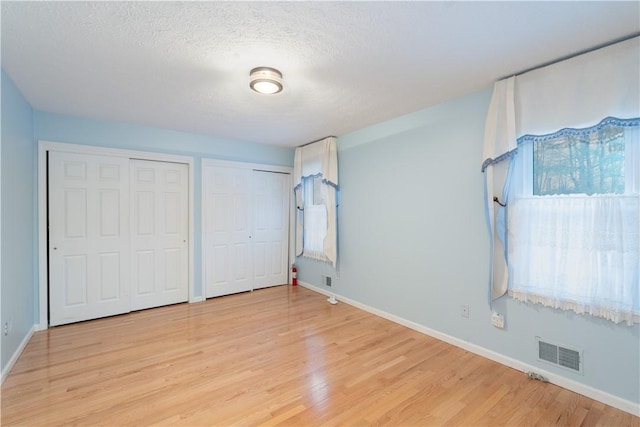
(78, 130)
(18, 281)
(413, 242)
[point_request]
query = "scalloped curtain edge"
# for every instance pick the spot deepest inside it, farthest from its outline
(612, 314)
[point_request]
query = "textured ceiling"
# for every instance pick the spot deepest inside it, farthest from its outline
(345, 65)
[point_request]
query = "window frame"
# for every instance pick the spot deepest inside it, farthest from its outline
(313, 205)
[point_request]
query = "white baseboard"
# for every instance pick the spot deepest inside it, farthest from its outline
(196, 299)
(16, 355)
(585, 390)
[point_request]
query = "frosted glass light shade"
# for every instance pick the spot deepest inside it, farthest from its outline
(265, 80)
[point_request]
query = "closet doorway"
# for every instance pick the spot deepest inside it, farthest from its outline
(246, 229)
(115, 231)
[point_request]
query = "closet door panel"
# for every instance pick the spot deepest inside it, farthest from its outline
(159, 218)
(226, 234)
(88, 237)
(271, 228)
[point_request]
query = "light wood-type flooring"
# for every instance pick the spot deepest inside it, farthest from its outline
(278, 356)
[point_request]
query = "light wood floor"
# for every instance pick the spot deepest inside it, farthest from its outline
(278, 356)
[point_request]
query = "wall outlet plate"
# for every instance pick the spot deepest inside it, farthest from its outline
(497, 320)
(464, 311)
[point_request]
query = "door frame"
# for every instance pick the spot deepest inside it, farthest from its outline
(43, 264)
(210, 162)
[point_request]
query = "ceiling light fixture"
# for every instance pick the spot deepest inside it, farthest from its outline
(265, 80)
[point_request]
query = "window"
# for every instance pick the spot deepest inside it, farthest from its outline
(592, 163)
(315, 219)
(573, 220)
(315, 170)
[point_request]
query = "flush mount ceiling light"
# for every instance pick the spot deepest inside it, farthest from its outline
(265, 80)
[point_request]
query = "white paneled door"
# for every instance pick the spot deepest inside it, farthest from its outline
(88, 237)
(118, 235)
(245, 228)
(159, 233)
(270, 228)
(227, 230)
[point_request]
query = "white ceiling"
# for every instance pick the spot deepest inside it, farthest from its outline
(345, 65)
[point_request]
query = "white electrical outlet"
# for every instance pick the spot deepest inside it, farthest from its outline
(464, 310)
(497, 320)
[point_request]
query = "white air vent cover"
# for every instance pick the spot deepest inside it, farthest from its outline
(559, 355)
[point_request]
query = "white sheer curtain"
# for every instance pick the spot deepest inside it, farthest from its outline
(576, 253)
(315, 219)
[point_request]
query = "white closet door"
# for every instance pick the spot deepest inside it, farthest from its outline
(159, 232)
(88, 237)
(227, 232)
(271, 228)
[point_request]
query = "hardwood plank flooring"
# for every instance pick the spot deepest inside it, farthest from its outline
(277, 356)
